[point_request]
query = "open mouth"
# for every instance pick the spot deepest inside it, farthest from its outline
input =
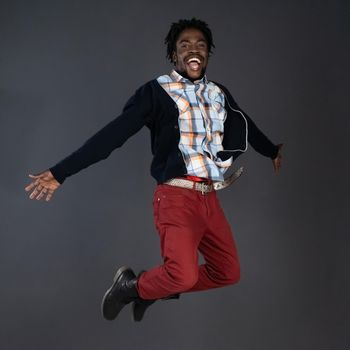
(194, 63)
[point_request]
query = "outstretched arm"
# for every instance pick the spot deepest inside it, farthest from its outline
(261, 143)
(136, 113)
(256, 138)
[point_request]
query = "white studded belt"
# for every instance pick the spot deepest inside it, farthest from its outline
(204, 187)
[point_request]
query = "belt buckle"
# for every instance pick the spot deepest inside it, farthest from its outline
(202, 186)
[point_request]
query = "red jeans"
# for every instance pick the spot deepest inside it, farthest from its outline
(187, 222)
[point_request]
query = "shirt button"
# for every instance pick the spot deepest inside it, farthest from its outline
(176, 126)
(179, 154)
(175, 105)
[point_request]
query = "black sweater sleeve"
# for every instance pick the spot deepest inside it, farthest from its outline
(136, 113)
(256, 138)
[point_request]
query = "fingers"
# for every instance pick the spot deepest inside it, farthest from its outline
(34, 193)
(36, 176)
(43, 185)
(33, 184)
(49, 195)
(40, 192)
(43, 175)
(29, 187)
(277, 163)
(46, 192)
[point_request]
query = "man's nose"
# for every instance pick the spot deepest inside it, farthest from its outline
(193, 48)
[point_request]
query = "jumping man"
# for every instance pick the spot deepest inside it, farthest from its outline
(197, 131)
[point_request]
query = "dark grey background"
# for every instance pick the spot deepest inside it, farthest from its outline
(67, 68)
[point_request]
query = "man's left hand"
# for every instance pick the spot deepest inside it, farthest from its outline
(277, 161)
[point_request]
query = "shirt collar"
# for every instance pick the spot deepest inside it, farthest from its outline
(178, 78)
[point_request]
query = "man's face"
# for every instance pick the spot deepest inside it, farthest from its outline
(191, 55)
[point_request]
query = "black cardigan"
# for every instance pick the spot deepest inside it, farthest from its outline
(153, 107)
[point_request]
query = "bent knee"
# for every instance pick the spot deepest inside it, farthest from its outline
(231, 275)
(234, 276)
(185, 280)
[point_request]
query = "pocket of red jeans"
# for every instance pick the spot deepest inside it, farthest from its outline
(171, 207)
(156, 202)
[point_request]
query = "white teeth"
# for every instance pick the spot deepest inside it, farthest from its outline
(194, 59)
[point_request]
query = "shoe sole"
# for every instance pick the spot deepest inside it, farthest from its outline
(115, 280)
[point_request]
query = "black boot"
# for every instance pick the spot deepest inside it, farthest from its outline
(122, 292)
(139, 306)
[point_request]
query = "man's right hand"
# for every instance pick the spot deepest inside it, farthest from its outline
(277, 161)
(44, 184)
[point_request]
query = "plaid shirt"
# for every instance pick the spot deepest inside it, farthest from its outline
(201, 122)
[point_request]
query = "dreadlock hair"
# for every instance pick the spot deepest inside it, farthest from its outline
(182, 24)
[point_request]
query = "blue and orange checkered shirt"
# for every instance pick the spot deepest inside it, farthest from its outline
(201, 123)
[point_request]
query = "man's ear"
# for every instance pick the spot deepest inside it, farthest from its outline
(174, 57)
